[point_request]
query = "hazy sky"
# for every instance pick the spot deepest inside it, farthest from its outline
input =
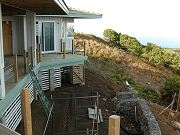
(155, 21)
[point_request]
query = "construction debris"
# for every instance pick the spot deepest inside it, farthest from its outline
(92, 113)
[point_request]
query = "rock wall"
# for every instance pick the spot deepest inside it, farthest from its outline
(134, 107)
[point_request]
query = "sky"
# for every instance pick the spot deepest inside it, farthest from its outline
(156, 21)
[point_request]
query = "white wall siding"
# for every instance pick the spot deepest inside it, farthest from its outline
(59, 24)
(18, 35)
(19, 32)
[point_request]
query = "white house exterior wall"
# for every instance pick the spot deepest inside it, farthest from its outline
(58, 21)
(17, 33)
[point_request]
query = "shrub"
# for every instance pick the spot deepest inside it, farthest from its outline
(144, 92)
(131, 43)
(172, 85)
(111, 36)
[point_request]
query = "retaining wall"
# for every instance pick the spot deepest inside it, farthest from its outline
(126, 102)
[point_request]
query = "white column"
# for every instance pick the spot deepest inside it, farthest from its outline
(2, 81)
(66, 35)
(31, 35)
(25, 33)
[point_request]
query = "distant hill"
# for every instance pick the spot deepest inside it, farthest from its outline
(176, 50)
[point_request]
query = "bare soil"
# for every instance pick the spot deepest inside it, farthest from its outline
(65, 110)
(165, 120)
(64, 120)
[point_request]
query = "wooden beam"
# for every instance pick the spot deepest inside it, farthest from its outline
(37, 52)
(31, 55)
(25, 95)
(61, 46)
(114, 125)
(64, 50)
(25, 62)
(84, 45)
(15, 68)
(40, 52)
(73, 41)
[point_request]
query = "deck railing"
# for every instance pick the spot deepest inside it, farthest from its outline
(11, 70)
(69, 45)
(10, 106)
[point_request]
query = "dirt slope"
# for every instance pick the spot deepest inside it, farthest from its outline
(134, 67)
(165, 120)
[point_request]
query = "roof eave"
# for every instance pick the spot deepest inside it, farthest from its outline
(62, 5)
(84, 16)
(75, 16)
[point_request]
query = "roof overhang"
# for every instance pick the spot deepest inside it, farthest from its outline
(49, 7)
(82, 14)
(79, 14)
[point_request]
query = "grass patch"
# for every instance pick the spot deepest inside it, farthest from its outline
(116, 74)
(143, 91)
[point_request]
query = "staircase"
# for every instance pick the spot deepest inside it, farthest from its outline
(43, 99)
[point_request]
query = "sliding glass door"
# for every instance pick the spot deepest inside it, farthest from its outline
(48, 36)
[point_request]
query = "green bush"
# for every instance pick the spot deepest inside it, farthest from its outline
(131, 43)
(111, 36)
(172, 85)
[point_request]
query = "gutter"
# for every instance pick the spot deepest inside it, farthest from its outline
(62, 5)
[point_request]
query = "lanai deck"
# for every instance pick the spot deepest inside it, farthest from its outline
(48, 61)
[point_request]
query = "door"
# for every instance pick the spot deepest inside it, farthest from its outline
(48, 37)
(7, 38)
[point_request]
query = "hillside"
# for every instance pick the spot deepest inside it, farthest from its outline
(114, 63)
(118, 66)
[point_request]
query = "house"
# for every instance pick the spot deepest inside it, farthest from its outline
(37, 32)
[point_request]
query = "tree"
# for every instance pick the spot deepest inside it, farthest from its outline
(111, 36)
(131, 43)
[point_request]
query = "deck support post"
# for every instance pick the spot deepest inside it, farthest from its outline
(15, 68)
(114, 125)
(64, 50)
(2, 80)
(26, 111)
